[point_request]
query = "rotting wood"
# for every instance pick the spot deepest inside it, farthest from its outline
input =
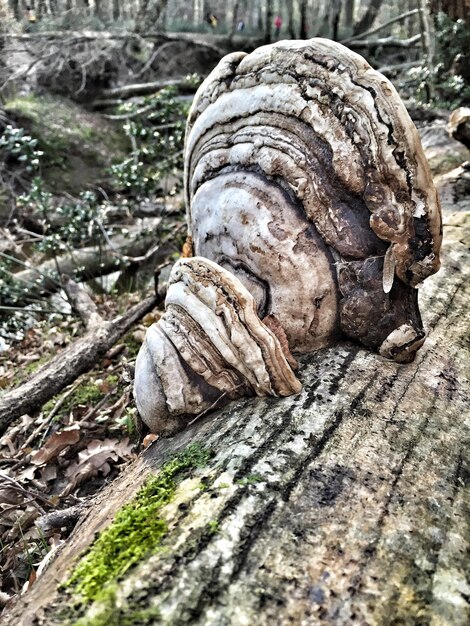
(77, 358)
(86, 263)
(142, 89)
(372, 31)
(356, 489)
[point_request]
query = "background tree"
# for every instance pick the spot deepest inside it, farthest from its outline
(368, 18)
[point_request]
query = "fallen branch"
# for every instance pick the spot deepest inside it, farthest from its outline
(141, 89)
(372, 31)
(386, 42)
(62, 370)
(91, 35)
(398, 67)
(84, 264)
(82, 304)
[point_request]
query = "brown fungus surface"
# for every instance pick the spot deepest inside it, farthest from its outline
(208, 347)
(312, 122)
(311, 206)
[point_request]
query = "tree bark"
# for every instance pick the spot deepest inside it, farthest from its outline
(368, 18)
(346, 504)
(269, 21)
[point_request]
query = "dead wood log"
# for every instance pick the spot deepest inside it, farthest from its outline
(372, 31)
(142, 89)
(345, 504)
(386, 42)
(77, 358)
(84, 264)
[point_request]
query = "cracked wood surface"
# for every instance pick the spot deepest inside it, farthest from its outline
(346, 504)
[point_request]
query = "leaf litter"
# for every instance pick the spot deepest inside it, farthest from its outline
(52, 463)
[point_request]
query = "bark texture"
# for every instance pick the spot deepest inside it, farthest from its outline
(346, 504)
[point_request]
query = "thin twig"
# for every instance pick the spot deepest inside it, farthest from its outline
(47, 421)
(27, 492)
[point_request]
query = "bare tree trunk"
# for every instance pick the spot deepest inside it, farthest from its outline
(368, 19)
(269, 21)
(233, 26)
(99, 12)
(303, 20)
(290, 18)
(349, 7)
(427, 45)
(335, 15)
(116, 10)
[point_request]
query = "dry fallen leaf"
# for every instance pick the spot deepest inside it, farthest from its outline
(48, 473)
(8, 495)
(95, 458)
(30, 582)
(56, 443)
(148, 439)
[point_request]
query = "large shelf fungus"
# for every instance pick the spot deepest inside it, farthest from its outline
(305, 180)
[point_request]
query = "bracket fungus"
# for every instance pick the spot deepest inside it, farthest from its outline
(307, 187)
(209, 345)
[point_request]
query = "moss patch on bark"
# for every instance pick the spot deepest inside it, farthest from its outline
(137, 530)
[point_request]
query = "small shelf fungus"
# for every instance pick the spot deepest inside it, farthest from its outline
(208, 346)
(311, 207)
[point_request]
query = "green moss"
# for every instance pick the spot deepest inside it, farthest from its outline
(112, 379)
(137, 530)
(78, 146)
(251, 479)
(132, 345)
(86, 393)
(29, 369)
(109, 614)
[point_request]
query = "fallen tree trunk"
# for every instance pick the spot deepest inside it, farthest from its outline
(372, 31)
(143, 89)
(79, 357)
(84, 264)
(346, 504)
(386, 42)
